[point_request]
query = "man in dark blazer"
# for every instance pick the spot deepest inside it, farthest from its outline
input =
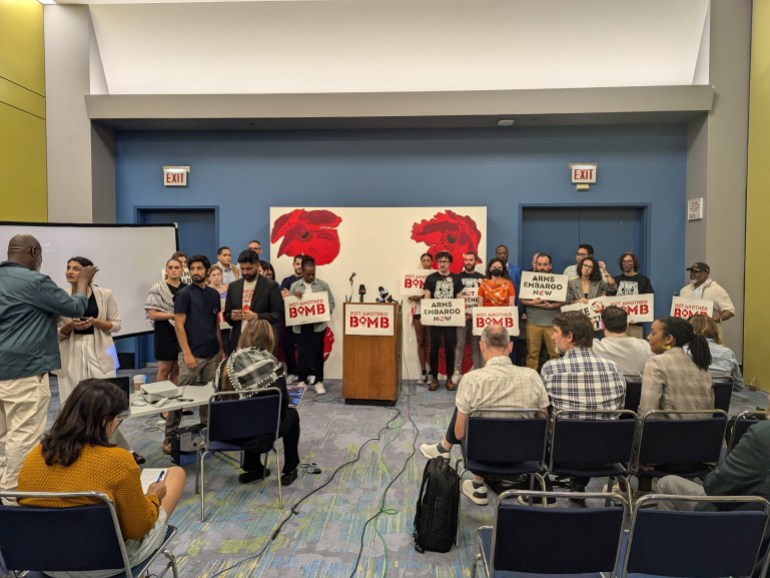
(252, 297)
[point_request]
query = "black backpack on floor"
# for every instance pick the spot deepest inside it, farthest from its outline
(435, 518)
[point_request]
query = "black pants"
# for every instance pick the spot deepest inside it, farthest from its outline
(310, 346)
(289, 350)
(289, 431)
(450, 342)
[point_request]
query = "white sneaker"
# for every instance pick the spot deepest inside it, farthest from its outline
(476, 495)
(456, 376)
(291, 378)
(431, 451)
(310, 379)
(319, 388)
(424, 379)
(302, 384)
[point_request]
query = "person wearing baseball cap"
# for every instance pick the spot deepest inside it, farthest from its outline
(703, 287)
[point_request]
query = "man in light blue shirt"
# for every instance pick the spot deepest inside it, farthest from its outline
(30, 304)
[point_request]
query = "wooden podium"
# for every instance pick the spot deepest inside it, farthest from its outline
(371, 364)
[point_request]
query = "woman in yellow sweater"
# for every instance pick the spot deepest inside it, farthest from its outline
(77, 456)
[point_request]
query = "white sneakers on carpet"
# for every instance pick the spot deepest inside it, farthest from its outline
(475, 493)
(319, 388)
(430, 451)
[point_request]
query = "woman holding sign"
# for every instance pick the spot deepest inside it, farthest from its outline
(426, 262)
(588, 284)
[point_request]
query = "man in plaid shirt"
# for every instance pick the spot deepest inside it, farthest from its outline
(580, 380)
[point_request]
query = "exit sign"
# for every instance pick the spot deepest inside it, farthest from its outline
(583, 173)
(175, 176)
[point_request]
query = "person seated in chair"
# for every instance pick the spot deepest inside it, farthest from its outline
(77, 456)
(252, 366)
(498, 384)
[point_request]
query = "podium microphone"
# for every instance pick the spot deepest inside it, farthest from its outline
(361, 292)
(350, 296)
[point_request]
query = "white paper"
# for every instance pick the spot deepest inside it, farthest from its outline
(150, 475)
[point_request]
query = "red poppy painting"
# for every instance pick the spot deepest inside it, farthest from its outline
(311, 233)
(448, 231)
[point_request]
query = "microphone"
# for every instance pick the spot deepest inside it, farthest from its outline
(361, 292)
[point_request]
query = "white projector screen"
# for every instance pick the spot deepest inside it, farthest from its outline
(130, 259)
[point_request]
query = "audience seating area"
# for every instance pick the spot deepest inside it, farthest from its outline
(598, 539)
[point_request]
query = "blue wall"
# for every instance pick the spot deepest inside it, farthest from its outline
(246, 173)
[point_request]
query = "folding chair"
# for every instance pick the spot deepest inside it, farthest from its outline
(78, 538)
(551, 540)
(234, 418)
(697, 543)
(593, 447)
(723, 392)
(741, 424)
(669, 445)
(633, 392)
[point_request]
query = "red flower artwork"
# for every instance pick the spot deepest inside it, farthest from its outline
(328, 343)
(448, 231)
(311, 233)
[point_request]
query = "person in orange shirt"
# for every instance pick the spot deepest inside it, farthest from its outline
(496, 290)
(77, 456)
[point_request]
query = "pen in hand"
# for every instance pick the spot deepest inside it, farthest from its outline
(160, 477)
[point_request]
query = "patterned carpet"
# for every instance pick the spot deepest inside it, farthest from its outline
(324, 537)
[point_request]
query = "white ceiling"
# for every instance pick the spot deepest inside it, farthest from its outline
(309, 46)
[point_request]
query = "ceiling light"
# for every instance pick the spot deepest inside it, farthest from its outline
(505, 122)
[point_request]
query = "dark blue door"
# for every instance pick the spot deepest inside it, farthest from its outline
(558, 231)
(197, 235)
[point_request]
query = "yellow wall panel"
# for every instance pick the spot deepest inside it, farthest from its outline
(22, 166)
(756, 360)
(21, 44)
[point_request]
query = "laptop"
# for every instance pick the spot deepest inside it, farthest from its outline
(125, 384)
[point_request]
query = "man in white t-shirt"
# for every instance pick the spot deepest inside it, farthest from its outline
(629, 353)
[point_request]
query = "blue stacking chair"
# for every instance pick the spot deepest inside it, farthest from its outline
(606, 444)
(553, 540)
(727, 542)
(742, 424)
(693, 440)
(633, 392)
(723, 392)
(80, 538)
(238, 416)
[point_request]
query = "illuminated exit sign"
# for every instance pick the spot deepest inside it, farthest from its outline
(583, 173)
(175, 176)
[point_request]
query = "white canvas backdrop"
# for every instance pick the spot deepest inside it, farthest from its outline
(130, 259)
(376, 244)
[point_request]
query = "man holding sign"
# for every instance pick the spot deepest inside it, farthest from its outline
(703, 288)
(442, 285)
(470, 280)
(540, 314)
(310, 336)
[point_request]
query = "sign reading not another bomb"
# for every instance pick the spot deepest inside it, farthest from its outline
(413, 281)
(547, 286)
(508, 317)
(368, 319)
(443, 312)
(312, 308)
(686, 308)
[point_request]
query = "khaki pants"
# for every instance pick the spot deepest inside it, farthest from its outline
(536, 336)
(23, 413)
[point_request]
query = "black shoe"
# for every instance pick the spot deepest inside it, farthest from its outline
(576, 489)
(138, 458)
(248, 477)
(288, 479)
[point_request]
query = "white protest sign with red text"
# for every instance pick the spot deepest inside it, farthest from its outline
(592, 309)
(640, 308)
(686, 308)
(508, 317)
(412, 282)
(471, 297)
(312, 308)
(443, 312)
(368, 319)
(547, 286)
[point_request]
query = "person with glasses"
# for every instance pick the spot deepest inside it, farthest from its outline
(631, 282)
(587, 250)
(442, 285)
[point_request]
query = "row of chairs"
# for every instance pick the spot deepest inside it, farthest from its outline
(722, 385)
(511, 442)
(549, 541)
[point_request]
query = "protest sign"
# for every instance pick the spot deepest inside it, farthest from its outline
(547, 286)
(413, 281)
(508, 317)
(312, 308)
(640, 308)
(686, 308)
(443, 312)
(471, 297)
(592, 309)
(368, 319)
